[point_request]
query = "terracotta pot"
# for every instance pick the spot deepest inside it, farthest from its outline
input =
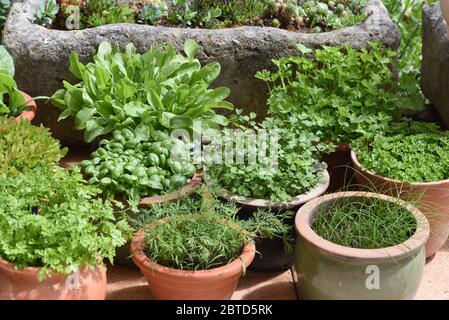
(271, 255)
(432, 199)
(327, 271)
(444, 5)
(339, 167)
(171, 284)
(24, 284)
(28, 114)
(123, 253)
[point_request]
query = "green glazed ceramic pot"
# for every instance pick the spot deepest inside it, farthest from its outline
(327, 271)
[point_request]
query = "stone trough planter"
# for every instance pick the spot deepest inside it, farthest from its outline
(435, 66)
(41, 55)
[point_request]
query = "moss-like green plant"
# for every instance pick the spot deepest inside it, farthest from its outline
(24, 147)
(409, 151)
(365, 223)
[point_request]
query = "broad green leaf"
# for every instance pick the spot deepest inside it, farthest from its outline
(76, 67)
(134, 109)
(190, 47)
(6, 62)
(83, 116)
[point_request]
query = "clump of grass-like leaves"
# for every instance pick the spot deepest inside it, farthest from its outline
(202, 233)
(364, 223)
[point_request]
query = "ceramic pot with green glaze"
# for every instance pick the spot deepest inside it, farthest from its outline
(327, 271)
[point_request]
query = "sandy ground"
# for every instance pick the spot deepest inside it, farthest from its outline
(128, 283)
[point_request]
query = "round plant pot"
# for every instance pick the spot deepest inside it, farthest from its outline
(339, 167)
(123, 255)
(327, 271)
(88, 284)
(171, 284)
(432, 199)
(444, 5)
(28, 114)
(271, 255)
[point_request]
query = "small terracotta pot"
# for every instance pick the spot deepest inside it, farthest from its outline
(88, 284)
(171, 284)
(339, 167)
(271, 255)
(431, 198)
(28, 114)
(444, 5)
(327, 271)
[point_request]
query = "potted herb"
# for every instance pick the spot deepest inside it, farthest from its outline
(280, 184)
(160, 89)
(337, 101)
(411, 161)
(359, 245)
(196, 248)
(13, 102)
(55, 234)
(24, 147)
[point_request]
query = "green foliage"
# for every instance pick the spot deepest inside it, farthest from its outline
(102, 12)
(152, 13)
(140, 163)
(338, 93)
(318, 16)
(160, 88)
(46, 13)
(310, 15)
(50, 219)
(410, 151)
(4, 9)
(202, 233)
(295, 172)
(12, 103)
(365, 223)
(24, 147)
(407, 14)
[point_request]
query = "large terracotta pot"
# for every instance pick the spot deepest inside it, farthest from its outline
(123, 255)
(339, 167)
(327, 271)
(444, 4)
(89, 284)
(271, 252)
(171, 284)
(28, 114)
(432, 199)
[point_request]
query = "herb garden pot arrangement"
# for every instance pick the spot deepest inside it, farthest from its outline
(194, 249)
(242, 50)
(297, 178)
(55, 234)
(357, 246)
(411, 163)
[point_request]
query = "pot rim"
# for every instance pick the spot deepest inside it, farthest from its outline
(358, 167)
(316, 191)
(188, 189)
(28, 114)
(144, 262)
(34, 271)
(305, 216)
